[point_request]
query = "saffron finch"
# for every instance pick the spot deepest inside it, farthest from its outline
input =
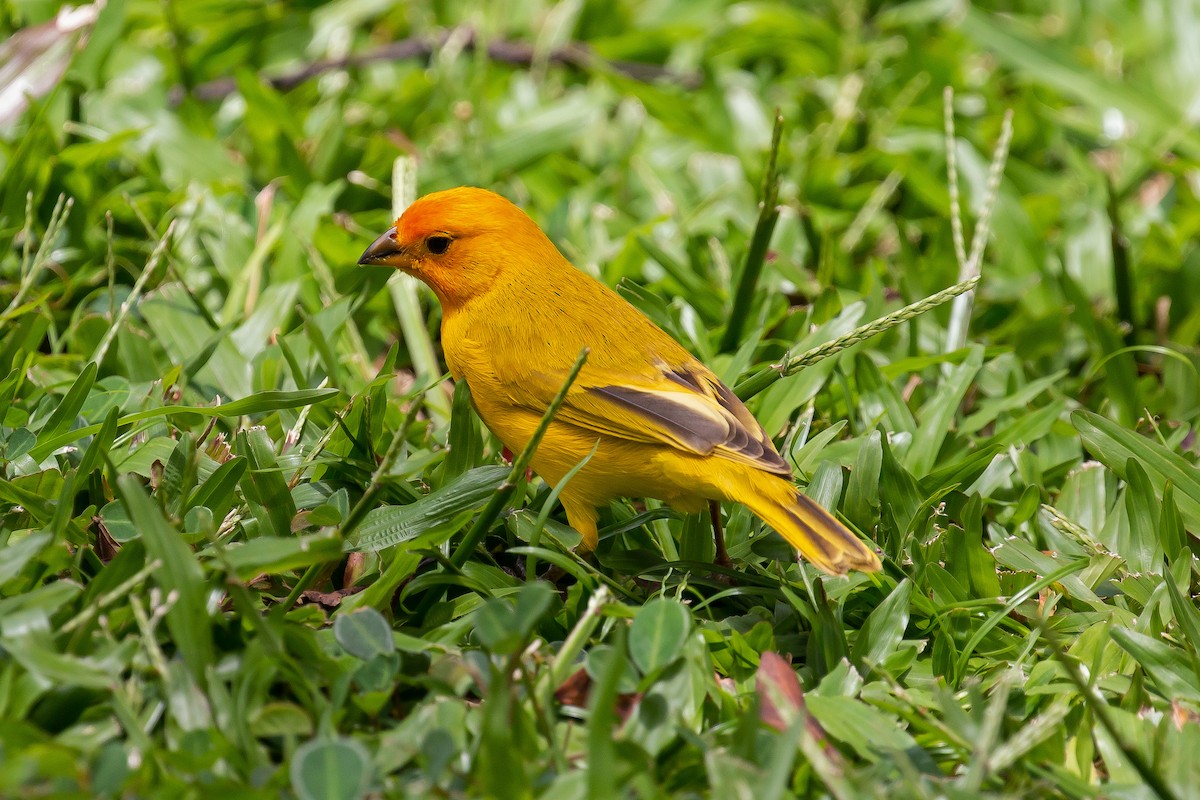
(516, 313)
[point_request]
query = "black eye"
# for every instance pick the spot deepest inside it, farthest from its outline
(438, 244)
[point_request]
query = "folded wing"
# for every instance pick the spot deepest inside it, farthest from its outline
(685, 407)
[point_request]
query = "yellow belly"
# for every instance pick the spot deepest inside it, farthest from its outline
(617, 468)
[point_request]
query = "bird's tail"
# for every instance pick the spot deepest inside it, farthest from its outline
(812, 530)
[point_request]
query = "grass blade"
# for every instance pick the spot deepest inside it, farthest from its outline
(756, 255)
(179, 576)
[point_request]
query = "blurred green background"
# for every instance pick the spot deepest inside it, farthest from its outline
(1100, 94)
(258, 606)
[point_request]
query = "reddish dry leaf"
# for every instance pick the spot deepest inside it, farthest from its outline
(329, 600)
(574, 690)
(779, 692)
(577, 689)
(355, 564)
(781, 698)
(1182, 716)
(106, 546)
(626, 704)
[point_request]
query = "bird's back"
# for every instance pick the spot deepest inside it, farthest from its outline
(541, 325)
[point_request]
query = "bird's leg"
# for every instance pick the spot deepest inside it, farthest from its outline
(582, 517)
(722, 559)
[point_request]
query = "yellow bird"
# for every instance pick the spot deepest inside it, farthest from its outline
(515, 315)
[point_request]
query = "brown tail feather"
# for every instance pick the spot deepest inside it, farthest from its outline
(808, 527)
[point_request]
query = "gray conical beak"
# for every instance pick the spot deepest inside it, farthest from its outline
(384, 250)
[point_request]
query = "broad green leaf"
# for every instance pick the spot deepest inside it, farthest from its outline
(281, 719)
(1015, 402)
(16, 554)
(1017, 554)
(884, 628)
(1141, 550)
(50, 664)
(217, 492)
(331, 769)
(862, 493)
(255, 404)
(189, 339)
(68, 408)
(503, 626)
(141, 459)
(1174, 671)
(869, 731)
(465, 442)
(179, 473)
(878, 399)
(602, 754)
(8, 390)
(364, 634)
(657, 634)
(937, 413)
(599, 662)
(117, 522)
(826, 485)
(900, 496)
(434, 517)
(272, 555)
(1114, 445)
(805, 456)
(1029, 427)
(1187, 615)
(827, 644)
(264, 484)
(18, 443)
(30, 501)
(199, 521)
(1171, 535)
(380, 593)
(967, 556)
(947, 591)
(179, 575)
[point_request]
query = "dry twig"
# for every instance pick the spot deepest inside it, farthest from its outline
(574, 54)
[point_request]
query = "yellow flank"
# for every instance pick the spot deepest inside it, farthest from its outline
(515, 315)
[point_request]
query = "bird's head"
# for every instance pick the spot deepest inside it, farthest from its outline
(461, 242)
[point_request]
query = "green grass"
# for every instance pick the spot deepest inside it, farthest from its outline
(253, 543)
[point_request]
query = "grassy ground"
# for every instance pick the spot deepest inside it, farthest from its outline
(234, 486)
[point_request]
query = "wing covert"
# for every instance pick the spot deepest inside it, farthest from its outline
(687, 407)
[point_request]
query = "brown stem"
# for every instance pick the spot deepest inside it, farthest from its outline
(574, 54)
(722, 559)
